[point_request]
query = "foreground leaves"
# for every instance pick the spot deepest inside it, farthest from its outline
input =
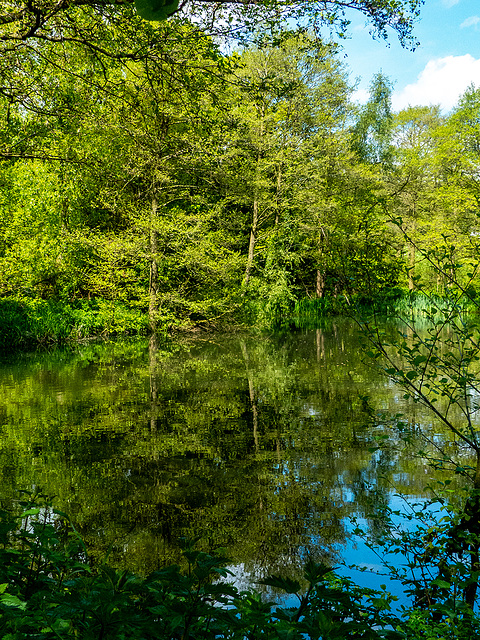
(48, 590)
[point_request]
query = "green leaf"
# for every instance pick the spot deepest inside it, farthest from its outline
(30, 512)
(288, 585)
(443, 584)
(12, 601)
(156, 10)
(314, 572)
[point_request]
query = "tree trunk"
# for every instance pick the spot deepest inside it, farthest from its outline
(411, 267)
(279, 188)
(320, 284)
(411, 257)
(153, 285)
(251, 245)
(254, 227)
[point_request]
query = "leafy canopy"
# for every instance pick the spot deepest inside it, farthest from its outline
(22, 20)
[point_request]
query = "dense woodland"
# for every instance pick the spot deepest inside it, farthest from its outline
(155, 176)
(210, 170)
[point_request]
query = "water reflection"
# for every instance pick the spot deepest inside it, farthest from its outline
(263, 445)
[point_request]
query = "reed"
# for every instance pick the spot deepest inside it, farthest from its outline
(395, 302)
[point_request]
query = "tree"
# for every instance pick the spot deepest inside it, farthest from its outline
(290, 107)
(433, 189)
(372, 132)
(139, 150)
(48, 21)
(415, 182)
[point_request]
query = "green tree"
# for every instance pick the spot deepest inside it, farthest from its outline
(373, 129)
(23, 21)
(415, 183)
(289, 111)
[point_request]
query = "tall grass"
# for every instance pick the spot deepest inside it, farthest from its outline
(27, 322)
(309, 311)
(398, 302)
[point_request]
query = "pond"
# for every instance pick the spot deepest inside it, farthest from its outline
(264, 445)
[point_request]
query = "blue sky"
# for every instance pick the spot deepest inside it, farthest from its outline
(438, 71)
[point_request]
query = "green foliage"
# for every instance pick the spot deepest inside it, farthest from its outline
(19, 20)
(308, 312)
(427, 546)
(425, 625)
(49, 590)
(372, 133)
(434, 358)
(162, 176)
(439, 369)
(155, 9)
(29, 322)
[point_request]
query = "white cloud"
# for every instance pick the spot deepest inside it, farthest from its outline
(361, 96)
(441, 82)
(450, 3)
(472, 21)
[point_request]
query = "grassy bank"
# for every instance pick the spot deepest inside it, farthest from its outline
(29, 322)
(307, 313)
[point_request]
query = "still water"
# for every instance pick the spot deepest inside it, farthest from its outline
(263, 445)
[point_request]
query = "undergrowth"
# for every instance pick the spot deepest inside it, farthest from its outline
(28, 322)
(395, 302)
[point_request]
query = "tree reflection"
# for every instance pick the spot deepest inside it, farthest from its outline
(260, 444)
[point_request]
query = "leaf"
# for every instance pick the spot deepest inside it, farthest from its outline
(156, 10)
(443, 584)
(391, 371)
(314, 572)
(30, 512)
(288, 585)
(12, 601)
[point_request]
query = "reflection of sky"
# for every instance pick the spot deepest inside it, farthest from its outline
(355, 560)
(371, 572)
